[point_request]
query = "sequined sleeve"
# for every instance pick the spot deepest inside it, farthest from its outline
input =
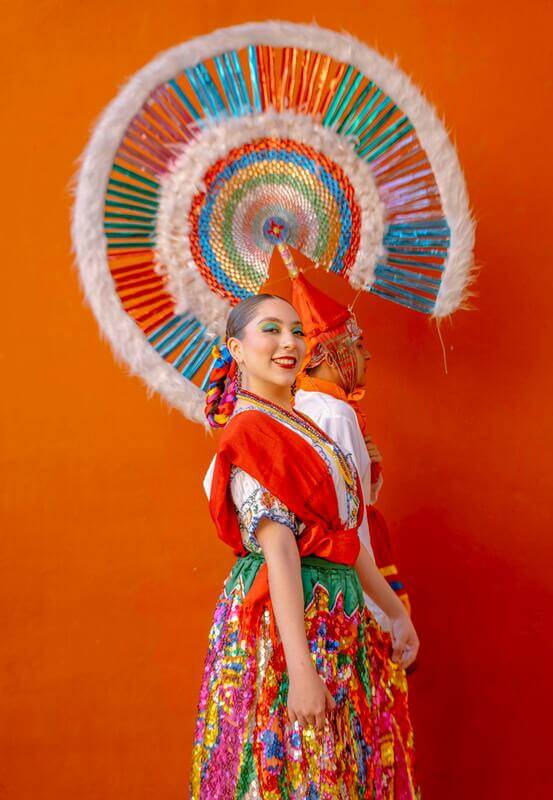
(253, 503)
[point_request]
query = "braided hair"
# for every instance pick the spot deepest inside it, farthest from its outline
(221, 392)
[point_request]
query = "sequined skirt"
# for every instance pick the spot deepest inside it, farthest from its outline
(245, 746)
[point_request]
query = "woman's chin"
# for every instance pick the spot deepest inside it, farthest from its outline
(285, 380)
(283, 377)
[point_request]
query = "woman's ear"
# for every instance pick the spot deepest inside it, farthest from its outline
(235, 347)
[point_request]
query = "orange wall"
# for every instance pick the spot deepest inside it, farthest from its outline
(110, 566)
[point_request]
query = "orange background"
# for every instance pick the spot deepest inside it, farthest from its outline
(110, 566)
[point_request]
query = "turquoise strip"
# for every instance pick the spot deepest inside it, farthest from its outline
(200, 357)
(405, 278)
(407, 299)
(190, 108)
(342, 106)
(374, 114)
(175, 338)
(239, 75)
(228, 83)
(372, 155)
(375, 128)
(353, 115)
(164, 328)
(330, 114)
(254, 77)
(192, 344)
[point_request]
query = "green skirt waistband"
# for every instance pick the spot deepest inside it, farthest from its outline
(337, 579)
(308, 561)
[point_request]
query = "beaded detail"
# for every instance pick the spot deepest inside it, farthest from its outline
(314, 433)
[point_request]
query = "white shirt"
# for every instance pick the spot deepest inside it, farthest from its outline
(339, 421)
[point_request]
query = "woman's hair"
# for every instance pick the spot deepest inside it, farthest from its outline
(221, 392)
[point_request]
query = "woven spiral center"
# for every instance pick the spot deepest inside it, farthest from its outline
(267, 192)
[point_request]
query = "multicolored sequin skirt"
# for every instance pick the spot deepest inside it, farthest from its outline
(245, 746)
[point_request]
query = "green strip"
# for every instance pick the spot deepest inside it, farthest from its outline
(130, 217)
(128, 235)
(135, 175)
(131, 187)
(376, 127)
(125, 226)
(356, 105)
(131, 245)
(388, 144)
(329, 116)
(373, 115)
(349, 94)
(138, 203)
(247, 772)
(388, 132)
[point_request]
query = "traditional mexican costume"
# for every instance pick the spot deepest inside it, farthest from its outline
(276, 464)
(214, 152)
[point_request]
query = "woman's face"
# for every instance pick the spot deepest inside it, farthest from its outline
(272, 346)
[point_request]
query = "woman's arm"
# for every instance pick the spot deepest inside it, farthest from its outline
(404, 636)
(308, 697)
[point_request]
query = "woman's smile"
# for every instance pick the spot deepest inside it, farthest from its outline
(286, 362)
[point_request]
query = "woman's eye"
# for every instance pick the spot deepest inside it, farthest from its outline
(270, 329)
(298, 332)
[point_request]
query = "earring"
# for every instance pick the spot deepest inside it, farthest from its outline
(238, 379)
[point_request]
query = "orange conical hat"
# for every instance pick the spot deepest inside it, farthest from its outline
(319, 313)
(329, 327)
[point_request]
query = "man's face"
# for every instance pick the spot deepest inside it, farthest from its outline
(362, 355)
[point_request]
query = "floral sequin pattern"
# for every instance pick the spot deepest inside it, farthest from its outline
(245, 746)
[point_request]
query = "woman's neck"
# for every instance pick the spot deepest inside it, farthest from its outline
(280, 395)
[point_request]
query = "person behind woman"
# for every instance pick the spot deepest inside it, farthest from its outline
(298, 694)
(329, 387)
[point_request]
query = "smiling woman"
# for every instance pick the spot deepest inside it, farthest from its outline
(303, 694)
(274, 325)
(225, 376)
(269, 349)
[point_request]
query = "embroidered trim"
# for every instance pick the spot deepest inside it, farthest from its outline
(316, 435)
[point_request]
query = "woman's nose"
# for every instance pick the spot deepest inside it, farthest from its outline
(288, 339)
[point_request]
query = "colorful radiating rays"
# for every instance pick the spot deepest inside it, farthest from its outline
(247, 82)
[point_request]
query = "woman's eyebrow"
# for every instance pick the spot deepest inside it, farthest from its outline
(276, 319)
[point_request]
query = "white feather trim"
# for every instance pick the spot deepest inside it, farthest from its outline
(127, 341)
